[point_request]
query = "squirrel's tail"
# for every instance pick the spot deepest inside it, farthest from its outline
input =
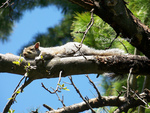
(110, 52)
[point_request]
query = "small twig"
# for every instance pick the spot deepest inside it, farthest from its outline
(36, 111)
(48, 107)
(128, 82)
(141, 99)
(11, 101)
(144, 107)
(123, 46)
(113, 41)
(83, 55)
(97, 75)
(60, 73)
(85, 32)
(87, 99)
(78, 50)
(80, 32)
(120, 93)
(89, 2)
(19, 82)
(89, 25)
(137, 96)
(61, 100)
(7, 2)
(67, 83)
(81, 95)
(99, 95)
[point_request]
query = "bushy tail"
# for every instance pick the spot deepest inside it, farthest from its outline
(109, 52)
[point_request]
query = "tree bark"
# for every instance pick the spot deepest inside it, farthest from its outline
(121, 102)
(121, 19)
(76, 65)
(95, 103)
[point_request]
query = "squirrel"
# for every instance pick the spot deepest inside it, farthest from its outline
(69, 49)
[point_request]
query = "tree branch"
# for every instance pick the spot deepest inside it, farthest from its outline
(77, 65)
(14, 95)
(104, 101)
(95, 103)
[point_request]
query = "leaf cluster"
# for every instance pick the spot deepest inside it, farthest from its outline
(63, 87)
(140, 8)
(99, 35)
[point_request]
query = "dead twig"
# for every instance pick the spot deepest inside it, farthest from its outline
(89, 25)
(140, 97)
(7, 3)
(61, 100)
(87, 103)
(99, 95)
(57, 88)
(123, 45)
(113, 41)
(120, 93)
(80, 32)
(128, 82)
(84, 33)
(19, 82)
(48, 107)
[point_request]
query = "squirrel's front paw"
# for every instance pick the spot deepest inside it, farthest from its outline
(38, 58)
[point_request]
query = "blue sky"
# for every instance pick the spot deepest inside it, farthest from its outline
(34, 96)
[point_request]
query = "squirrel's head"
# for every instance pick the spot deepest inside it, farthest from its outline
(32, 51)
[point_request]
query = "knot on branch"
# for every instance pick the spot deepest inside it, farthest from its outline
(147, 94)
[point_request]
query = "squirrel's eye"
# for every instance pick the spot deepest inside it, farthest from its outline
(29, 52)
(32, 49)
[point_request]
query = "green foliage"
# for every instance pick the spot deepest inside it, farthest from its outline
(10, 98)
(18, 62)
(117, 85)
(11, 111)
(19, 91)
(63, 87)
(100, 34)
(106, 84)
(111, 85)
(140, 8)
(26, 67)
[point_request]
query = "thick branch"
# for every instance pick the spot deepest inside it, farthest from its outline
(95, 103)
(120, 18)
(104, 101)
(77, 65)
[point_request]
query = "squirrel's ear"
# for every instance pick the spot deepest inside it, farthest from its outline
(37, 45)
